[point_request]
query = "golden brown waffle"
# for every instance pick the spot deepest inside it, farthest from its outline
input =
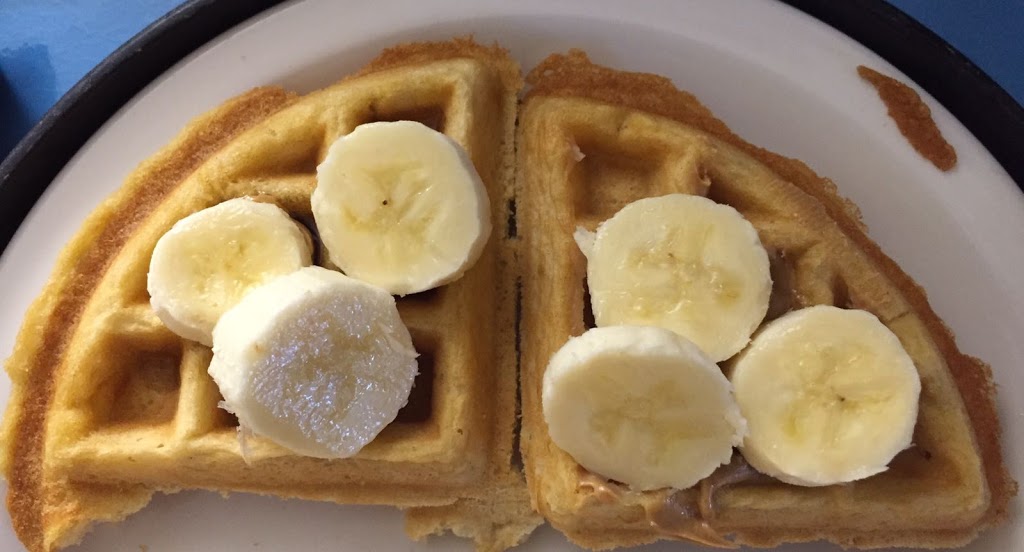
(109, 405)
(591, 140)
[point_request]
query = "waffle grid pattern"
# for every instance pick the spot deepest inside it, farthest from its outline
(109, 406)
(584, 160)
(138, 406)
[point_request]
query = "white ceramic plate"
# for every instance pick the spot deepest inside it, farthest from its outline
(780, 78)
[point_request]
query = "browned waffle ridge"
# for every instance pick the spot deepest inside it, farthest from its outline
(108, 405)
(592, 139)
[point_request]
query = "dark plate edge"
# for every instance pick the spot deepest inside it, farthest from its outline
(987, 110)
(37, 159)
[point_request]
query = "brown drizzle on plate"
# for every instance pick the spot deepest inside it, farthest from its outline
(913, 118)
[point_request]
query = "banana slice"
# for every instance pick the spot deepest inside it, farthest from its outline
(641, 405)
(315, 361)
(830, 395)
(400, 206)
(208, 260)
(684, 263)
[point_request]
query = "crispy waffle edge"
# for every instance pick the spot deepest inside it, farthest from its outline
(53, 316)
(48, 514)
(574, 75)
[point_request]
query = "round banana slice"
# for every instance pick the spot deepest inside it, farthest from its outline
(684, 263)
(210, 259)
(640, 405)
(401, 206)
(315, 361)
(830, 396)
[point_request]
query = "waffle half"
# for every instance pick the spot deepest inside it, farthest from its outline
(109, 406)
(591, 140)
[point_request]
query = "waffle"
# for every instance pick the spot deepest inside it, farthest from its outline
(109, 406)
(591, 140)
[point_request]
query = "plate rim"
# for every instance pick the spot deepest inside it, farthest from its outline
(36, 160)
(89, 139)
(975, 99)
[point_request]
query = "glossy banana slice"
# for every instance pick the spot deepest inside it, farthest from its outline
(641, 405)
(400, 206)
(680, 262)
(830, 396)
(210, 259)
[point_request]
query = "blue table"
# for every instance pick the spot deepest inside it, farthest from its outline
(46, 47)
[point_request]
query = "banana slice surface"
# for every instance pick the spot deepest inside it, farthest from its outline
(640, 405)
(684, 263)
(315, 361)
(210, 259)
(830, 396)
(401, 206)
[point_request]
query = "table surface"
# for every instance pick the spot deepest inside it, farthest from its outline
(46, 47)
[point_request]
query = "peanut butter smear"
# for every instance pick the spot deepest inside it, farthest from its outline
(682, 514)
(912, 117)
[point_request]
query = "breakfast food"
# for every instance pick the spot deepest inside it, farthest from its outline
(681, 262)
(315, 361)
(110, 405)
(208, 260)
(641, 405)
(399, 205)
(115, 399)
(829, 394)
(593, 141)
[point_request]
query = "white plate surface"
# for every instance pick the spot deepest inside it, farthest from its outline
(780, 78)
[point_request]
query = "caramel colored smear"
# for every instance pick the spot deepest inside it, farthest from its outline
(680, 514)
(913, 118)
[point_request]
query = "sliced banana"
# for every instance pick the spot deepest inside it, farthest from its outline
(830, 396)
(401, 206)
(684, 263)
(210, 259)
(640, 405)
(315, 361)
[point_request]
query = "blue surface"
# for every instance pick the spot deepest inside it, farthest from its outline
(46, 46)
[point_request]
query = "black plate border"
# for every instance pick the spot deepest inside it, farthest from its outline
(987, 110)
